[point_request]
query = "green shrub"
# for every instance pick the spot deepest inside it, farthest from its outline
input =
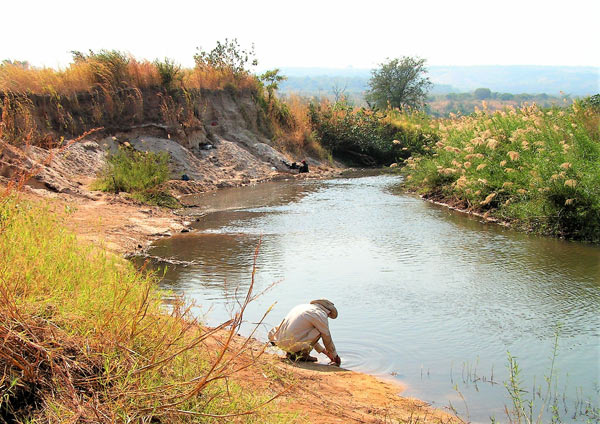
(139, 173)
(168, 71)
(344, 129)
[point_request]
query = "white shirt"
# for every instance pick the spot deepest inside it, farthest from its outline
(301, 326)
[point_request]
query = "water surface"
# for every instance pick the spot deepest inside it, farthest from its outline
(425, 295)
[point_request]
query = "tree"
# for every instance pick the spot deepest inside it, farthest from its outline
(271, 79)
(482, 93)
(226, 56)
(399, 83)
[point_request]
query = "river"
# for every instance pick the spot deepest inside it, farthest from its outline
(426, 295)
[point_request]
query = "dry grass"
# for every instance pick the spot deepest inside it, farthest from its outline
(107, 88)
(90, 74)
(297, 137)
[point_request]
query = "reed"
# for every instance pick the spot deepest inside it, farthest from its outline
(536, 168)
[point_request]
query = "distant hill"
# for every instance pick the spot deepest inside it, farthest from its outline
(572, 80)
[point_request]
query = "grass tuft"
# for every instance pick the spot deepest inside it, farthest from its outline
(139, 173)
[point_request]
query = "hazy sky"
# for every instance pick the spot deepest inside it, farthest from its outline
(309, 33)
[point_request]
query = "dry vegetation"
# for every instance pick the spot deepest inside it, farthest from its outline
(114, 90)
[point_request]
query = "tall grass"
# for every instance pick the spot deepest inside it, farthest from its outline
(294, 132)
(105, 88)
(538, 168)
(112, 69)
(86, 338)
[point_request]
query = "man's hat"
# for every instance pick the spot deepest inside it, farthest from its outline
(333, 313)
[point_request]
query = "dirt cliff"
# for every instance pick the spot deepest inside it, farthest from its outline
(217, 138)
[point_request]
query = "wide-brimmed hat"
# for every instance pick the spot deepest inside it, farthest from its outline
(333, 313)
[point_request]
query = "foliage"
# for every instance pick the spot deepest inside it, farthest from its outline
(86, 338)
(382, 136)
(226, 56)
(169, 72)
(592, 102)
(538, 168)
(399, 83)
(140, 173)
(482, 93)
(271, 79)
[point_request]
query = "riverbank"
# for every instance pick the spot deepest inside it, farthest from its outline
(306, 393)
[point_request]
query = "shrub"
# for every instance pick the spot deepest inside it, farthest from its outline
(139, 173)
(168, 71)
(346, 130)
(227, 56)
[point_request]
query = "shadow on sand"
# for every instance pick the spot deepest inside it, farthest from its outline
(315, 366)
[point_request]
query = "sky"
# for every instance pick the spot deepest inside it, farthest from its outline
(334, 34)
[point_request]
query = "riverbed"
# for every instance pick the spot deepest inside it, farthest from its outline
(426, 295)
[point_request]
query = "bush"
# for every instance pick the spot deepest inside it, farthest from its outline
(168, 71)
(345, 130)
(139, 173)
(227, 56)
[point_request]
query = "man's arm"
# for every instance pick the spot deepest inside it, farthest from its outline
(322, 325)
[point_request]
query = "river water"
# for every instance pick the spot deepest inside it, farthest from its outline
(427, 296)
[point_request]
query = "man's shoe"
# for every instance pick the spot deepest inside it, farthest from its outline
(300, 357)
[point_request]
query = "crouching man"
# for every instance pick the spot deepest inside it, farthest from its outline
(301, 329)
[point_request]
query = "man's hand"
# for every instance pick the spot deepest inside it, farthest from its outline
(334, 359)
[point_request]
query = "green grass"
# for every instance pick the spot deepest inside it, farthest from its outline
(537, 168)
(85, 336)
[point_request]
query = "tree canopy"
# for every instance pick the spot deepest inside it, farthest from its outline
(399, 83)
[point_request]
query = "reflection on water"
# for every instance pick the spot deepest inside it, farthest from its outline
(424, 294)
